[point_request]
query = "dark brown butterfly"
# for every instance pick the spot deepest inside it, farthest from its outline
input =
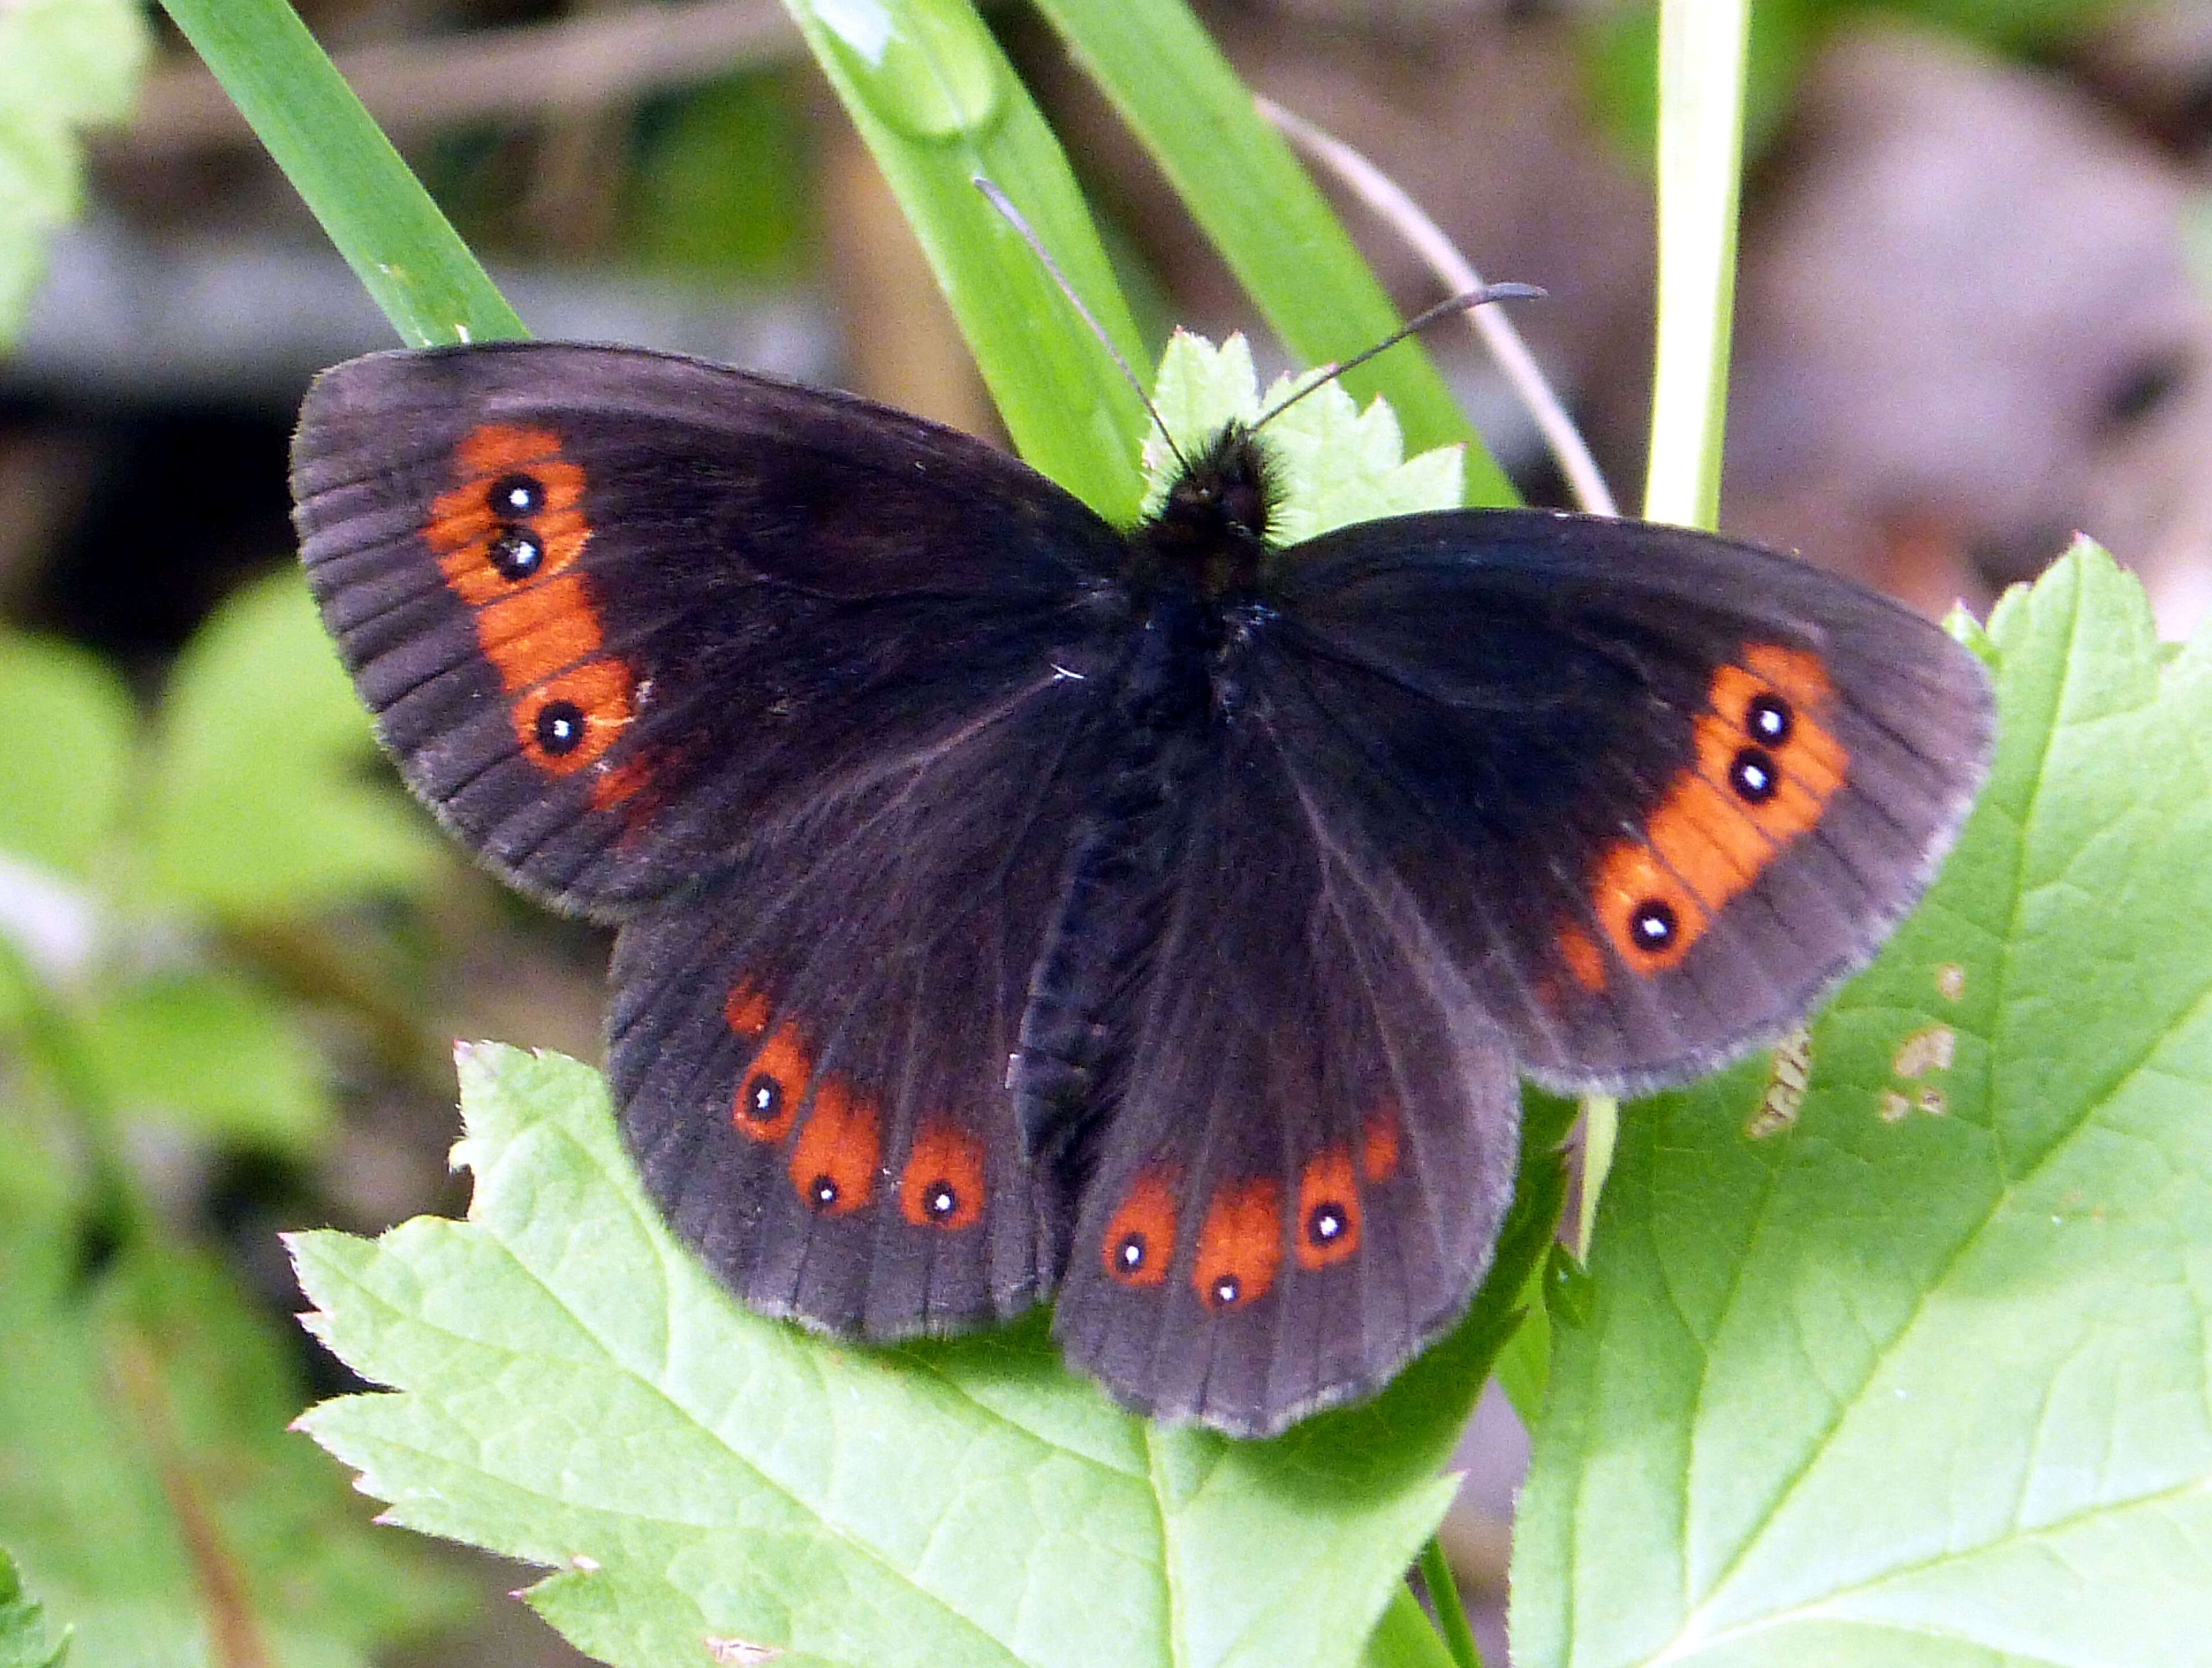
(1012, 907)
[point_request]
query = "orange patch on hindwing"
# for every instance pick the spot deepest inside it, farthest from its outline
(942, 1184)
(1240, 1244)
(1763, 770)
(1328, 1210)
(510, 537)
(1378, 1144)
(1139, 1242)
(773, 1084)
(840, 1144)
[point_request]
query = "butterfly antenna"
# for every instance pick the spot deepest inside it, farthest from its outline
(1466, 301)
(999, 200)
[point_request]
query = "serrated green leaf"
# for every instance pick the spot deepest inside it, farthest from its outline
(1338, 464)
(64, 63)
(60, 798)
(1919, 1380)
(263, 801)
(25, 1640)
(211, 1053)
(576, 1391)
(147, 1480)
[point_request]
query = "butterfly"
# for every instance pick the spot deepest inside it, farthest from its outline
(1156, 920)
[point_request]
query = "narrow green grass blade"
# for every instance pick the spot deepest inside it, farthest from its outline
(1173, 87)
(1702, 56)
(937, 104)
(412, 263)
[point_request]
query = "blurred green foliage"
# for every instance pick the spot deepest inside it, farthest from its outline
(146, 1479)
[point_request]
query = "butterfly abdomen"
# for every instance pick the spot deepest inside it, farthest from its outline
(1095, 951)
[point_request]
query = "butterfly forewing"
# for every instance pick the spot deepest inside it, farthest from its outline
(618, 613)
(1654, 789)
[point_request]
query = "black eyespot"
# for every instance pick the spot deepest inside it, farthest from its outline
(1752, 774)
(1129, 1255)
(515, 552)
(1225, 1290)
(939, 1200)
(821, 1192)
(560, 727)
(1767, 719)
(763, 1099)
(516, 497)
(1325, 1223)
(1653, 924)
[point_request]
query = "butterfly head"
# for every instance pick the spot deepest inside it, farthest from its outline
(1212, 530)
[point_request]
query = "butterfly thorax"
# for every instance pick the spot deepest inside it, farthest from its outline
(1210, 534)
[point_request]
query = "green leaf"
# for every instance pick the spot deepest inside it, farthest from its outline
(263, 803)
(63, 64)
(1918, 1380)
(147, 1483)
(60, 798)
(211, 1053)
(937, 103)
(25, 1639)
(576, 1391)
(1337, 464)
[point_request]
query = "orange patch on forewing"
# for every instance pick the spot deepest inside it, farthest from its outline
(615, 786)
(463, 522)
(540, 630)
(602, 694)
(946, 1163)
(1327, 1195)
(1145, 1219)
(1583, 959)
(833, 1162)
(1796, 675)
(745, 1009)
(780, 1069)
(1240, 1244)
(1704, 844)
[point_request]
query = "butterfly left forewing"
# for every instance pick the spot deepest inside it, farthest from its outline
(615, 611)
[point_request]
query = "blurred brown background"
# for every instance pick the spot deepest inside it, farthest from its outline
(1974, 317)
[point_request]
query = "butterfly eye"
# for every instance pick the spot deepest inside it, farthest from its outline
(1751, 774)
(516, 496)
(1766, 717)
(515, 553)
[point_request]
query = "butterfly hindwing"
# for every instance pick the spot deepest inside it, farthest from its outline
(616, 612)
(1654, 791)
(809, 1055)
(1312, 1130)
